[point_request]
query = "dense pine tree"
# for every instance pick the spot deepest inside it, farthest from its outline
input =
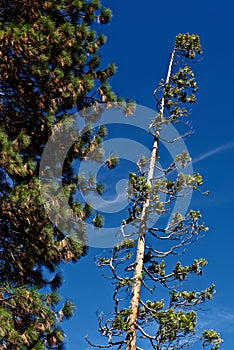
(50, 66)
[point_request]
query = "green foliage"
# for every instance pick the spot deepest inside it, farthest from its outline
(125, 244)
(157, 268)
(189, 44)
(98, 221)
(120, 322)
(156, 305)
(137, 193)
(25, 316)
(50, 65)
(66, 311)
(181, 272)
(112, 161)
(191, 298)
(182, 159)
(179, 90)
(125, 282)
(212, 338)
(138, 186)
(174, 324)
(100, 188)
(128, 105)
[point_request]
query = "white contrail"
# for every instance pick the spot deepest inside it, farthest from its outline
(221, 148)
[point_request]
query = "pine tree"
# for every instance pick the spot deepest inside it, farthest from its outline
(139, 269)
(50, 67)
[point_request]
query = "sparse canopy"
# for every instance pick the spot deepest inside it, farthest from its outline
(144, 315)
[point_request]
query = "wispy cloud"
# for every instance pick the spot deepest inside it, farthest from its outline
(217, 318)
(213, 151)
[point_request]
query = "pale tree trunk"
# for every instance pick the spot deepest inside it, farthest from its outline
(136, 287)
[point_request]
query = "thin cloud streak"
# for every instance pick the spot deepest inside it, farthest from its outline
(216, 150)
(218, 318)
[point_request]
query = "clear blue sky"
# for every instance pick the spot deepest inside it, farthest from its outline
(140, 38)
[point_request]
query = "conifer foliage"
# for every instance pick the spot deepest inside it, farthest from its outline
(152, 308)
(50, 66)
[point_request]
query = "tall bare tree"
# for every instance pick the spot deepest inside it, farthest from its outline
(138, 269)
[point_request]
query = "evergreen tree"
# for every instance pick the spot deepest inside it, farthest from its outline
(50, 67)
(143, 268)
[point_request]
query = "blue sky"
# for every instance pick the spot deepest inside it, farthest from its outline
(140, 38)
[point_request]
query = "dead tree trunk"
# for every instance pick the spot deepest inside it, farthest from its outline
(138, 267)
